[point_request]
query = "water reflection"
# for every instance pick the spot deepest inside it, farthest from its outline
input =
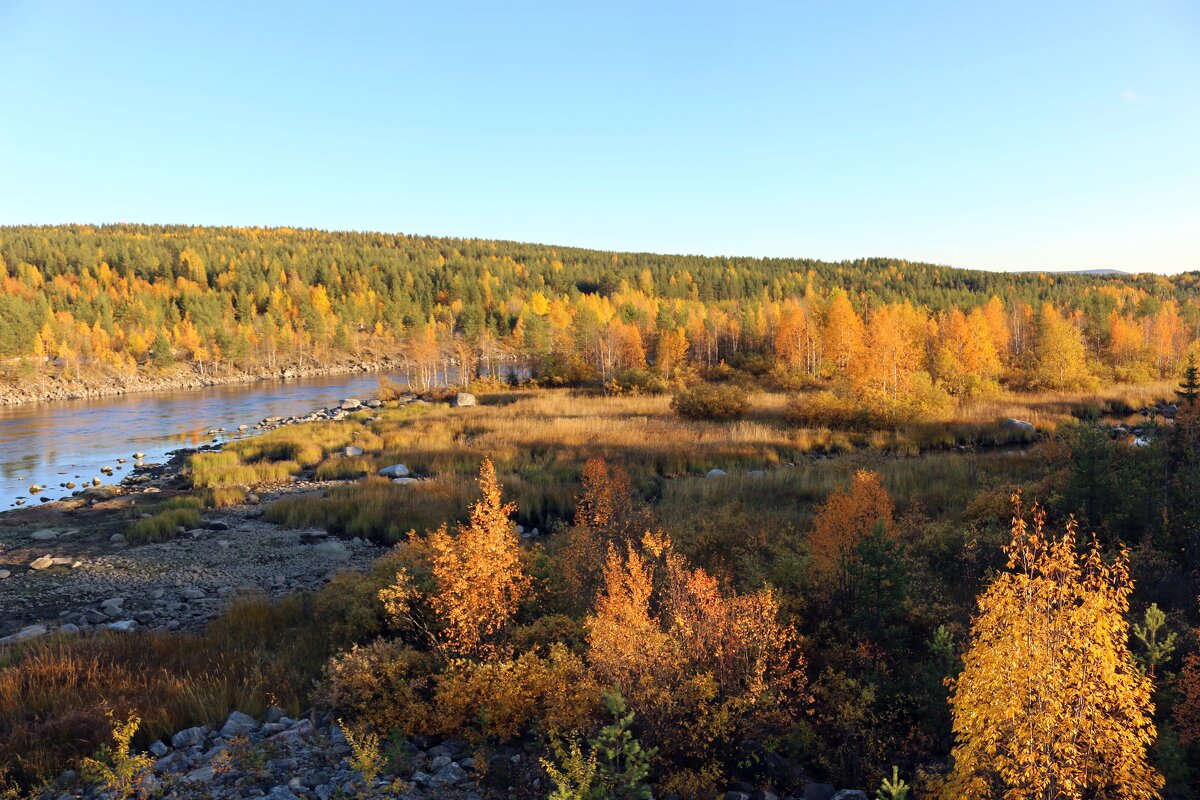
(52, 443)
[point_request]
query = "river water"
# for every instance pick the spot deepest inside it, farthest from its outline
(52, 443)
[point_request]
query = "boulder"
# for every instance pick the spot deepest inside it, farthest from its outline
(450, 775)
(1141, 441)
(404, 481)
(192, 594)
(350, 404)
(850, 794)
(463, 399)
(334, 551)
(124, 626)
(44, 535)
(31, 632)
(394, 471)
(238, 724)
(187, 738)
(353, 451)
(45, 562)
(4, 574)
(217, 525)
(715, 473)
(1019, 426)
(372, 403)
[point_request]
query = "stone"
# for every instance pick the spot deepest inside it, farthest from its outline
(192, 594)
(715, 473)
(4, 574)
(1020, 426)
(404, 481)
(850, 794)
(372, 403)
(394, 471)
(463, 399)
(274, 714)
(158, 749)
(144, 617)
(238, 724)
(818, 791)
(187, 738)
(117, 538)
(31, 632)
(450, 775)
(45, 562)
(69, 629)
(217, 525)
(334, 551)
(124, 626)
(202, 775)
(439, 762)
(282, 793)
(350, 404)
(44, 535)
(353, 451)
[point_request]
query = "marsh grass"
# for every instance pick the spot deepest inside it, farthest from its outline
(54, 691)
(162, 526)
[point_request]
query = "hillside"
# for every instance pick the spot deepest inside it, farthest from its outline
(140, 306)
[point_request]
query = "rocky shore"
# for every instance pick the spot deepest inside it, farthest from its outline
(282, 758)
(46, 388)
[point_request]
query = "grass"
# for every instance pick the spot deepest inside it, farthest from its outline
(54, 691)
(162, 525)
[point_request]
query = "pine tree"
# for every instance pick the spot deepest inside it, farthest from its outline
(1189, 388)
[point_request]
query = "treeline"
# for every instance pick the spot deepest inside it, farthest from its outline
(130, 297)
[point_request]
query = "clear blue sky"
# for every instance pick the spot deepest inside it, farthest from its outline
(999, 135)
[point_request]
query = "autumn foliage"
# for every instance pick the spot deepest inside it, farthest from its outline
(692, 655)
(1050, 703)
(480, 579)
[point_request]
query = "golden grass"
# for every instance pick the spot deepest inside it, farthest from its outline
(54, 691)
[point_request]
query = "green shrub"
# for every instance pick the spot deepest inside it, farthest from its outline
(712, 401)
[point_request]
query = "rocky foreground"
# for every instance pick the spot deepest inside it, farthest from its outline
(282, 758)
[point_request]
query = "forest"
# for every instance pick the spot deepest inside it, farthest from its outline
(715, 526)
(896, 339)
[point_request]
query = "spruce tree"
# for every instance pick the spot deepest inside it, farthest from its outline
(1189, 388)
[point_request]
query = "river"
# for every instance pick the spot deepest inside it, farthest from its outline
(52, 443)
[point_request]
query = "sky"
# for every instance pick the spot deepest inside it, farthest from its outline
(1009, 135)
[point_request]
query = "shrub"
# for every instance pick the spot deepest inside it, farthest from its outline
(118, 770)
(383, 685)
(616, 765)
(827, 410)
(711, 401)
(162, 526)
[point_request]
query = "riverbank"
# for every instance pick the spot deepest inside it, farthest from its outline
(52, 388)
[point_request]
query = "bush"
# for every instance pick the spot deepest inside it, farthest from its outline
(161, 527)
(827, 410)
(712, 401)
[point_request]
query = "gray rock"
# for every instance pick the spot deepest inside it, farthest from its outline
(755, 473)
(353, 451)
(124, 626)
(450, 775)
(68, 629)
(31, 632)
(238, 724)
(217, 525)
(349, 404)
(192, 594)
(334, 551)
(282, 793)
(4, 574)
(187, 738)
(45, 562)
(715, 473)
(274, 714)
(439, 762)
(158, 749)
(394, 471)
(731, 795)
(117, 538)
(44, 535)
(1020, 426)
(404, 481)
(202, 775)
(850, 794)
(818, 791)
(463, 399)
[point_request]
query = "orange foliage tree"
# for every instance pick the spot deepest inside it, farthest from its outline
(843, 522)
(1050, 703)
(479, 575)
(1187, 707)
(605, 516)
(691, 655)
